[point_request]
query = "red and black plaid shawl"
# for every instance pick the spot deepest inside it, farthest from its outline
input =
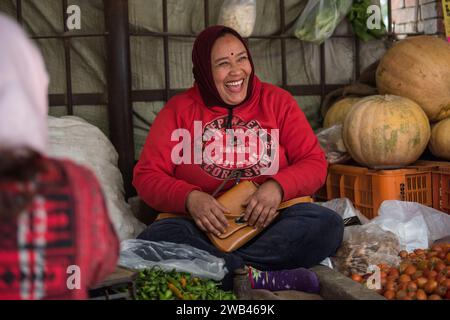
(64, 230)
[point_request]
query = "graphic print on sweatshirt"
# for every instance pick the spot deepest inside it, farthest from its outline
(247, 147)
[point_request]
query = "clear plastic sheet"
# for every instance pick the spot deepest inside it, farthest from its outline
(142, 254)
(332, 144)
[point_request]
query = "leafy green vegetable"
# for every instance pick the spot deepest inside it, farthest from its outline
(358, 17)
(319, 19)
(156, 284)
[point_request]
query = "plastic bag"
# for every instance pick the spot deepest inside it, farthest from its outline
(142, 254)
(239, 15)
(319, 19)
(344, 207)
(416, 226)
(327, 263)
(332, 144)
(365, 246)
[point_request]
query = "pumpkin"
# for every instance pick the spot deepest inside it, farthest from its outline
(440, 139)
(336, 114)
(386, 132)
(418, 68)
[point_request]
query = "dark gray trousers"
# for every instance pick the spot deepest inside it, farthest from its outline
(301, 236)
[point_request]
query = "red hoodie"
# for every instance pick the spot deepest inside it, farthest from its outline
(165, 186)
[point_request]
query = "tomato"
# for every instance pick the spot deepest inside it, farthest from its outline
(403, 254)
(391, 286)
(410, 270)
(447, 258)
(356, 277)
(421, 295)
(447, 295)
(421, 282)
(432, 275)
(404, 278)
(434, 297)
(389, 294)
(412, 287)
(430, 286)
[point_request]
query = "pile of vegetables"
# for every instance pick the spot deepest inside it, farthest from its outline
(388, 131)
(156, 284)
(421, 275)
(418, 68)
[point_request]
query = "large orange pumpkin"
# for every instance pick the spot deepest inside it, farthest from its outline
(440, 139)
(385, 132)
(338, 111)
(418, 68)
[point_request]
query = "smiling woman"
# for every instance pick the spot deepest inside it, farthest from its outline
(229, 98)
(230, 71)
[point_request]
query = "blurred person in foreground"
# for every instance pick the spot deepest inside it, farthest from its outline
(56, 239)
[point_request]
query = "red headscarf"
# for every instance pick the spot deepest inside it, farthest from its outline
(201, 59)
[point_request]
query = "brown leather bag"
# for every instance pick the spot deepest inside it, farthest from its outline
(239, 232)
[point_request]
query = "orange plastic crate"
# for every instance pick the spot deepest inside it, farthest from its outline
(367, 188)
(440, 183)
(441, 189)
